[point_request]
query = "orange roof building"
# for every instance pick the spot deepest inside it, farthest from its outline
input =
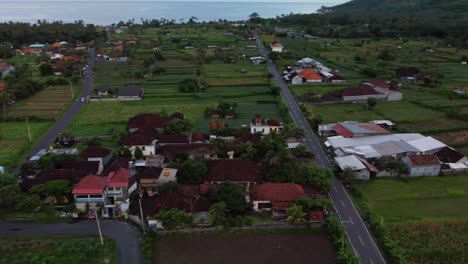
(310, 75)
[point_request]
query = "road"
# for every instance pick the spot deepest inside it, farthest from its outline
(362, 242)
(63, 122)
(127, 236)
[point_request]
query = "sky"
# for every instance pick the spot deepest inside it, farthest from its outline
(325, 2)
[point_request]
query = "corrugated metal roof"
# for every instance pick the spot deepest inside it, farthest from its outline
(349, 162)
(363, 141)
(426, 144)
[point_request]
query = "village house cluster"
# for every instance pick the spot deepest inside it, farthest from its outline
(370, 150)
(310, 71)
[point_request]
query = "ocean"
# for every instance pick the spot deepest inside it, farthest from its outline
(108, 12)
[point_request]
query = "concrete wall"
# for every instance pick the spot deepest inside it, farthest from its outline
(425, 171)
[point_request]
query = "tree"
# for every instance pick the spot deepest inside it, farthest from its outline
(296, 215)
(218, 212)
(176, 127)
(7, 179)
(233, 195)
(317, 120)
(190, 85)
(56, 188)
(6, 96)
(316, 176)
(95, 141)
(347, 176)
(173, 218)
(46, 69)
(302, 151)
(138, 154)
(254, 15)
(371, 102)
(272, 148)
(192, 172)
(47, 161)
(286, 171)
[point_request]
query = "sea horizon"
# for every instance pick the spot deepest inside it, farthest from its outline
(109, 12)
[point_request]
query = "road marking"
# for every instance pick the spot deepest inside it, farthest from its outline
(360, 239)
(351, 220)
(372, 262)
(334, 188)
(342, 203)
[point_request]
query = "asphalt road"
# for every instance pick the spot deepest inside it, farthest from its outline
(63, 122)
(362, 242)
(127, 236)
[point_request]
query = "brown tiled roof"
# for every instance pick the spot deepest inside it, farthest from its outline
(423, 160)
(199, 137)
(276, 192)
(91, 167)
(149, 172)
(172, 151)
(236, 170)
(356, 91)
(147, 120)
(95, 152)
(173, 139)
(72, 175)
(136, 140)
(407, 72)
(379, 83)
(274, 122)
(449, 155)
(117, 163)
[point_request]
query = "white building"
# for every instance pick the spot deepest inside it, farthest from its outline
(265, 126)
(276, 47)
(422, 165)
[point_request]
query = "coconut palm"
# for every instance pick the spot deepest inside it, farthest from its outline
(296, 215)
(218, 212)
(6, 96)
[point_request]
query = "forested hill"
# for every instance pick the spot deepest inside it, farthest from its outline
(403, 7)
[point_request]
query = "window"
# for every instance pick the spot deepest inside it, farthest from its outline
(95, 196)
(143, 148)
(264, 206)
(110, 188)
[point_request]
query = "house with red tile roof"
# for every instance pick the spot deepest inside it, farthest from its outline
(120, 184)
(90, 190)
(234, 170)
(422, 165)
(308, 76)
(276, 47)
(275, 197)
(152, 177)
(192, 151)
(147, 120)
(92, 167)
(265, 126)
(93, 153)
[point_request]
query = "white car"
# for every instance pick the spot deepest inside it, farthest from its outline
(82, 99)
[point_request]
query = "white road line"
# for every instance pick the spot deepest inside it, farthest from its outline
(351, 220)
(360, 239)
(372, 262)
(342, 203)
(334, 188)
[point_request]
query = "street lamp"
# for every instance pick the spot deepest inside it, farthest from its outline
(99, 226)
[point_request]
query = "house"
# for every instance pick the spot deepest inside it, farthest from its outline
(234, 170)
(249, 36)
(409, 74)
(93, 153)
(337, 79)
(163, 140)
(352, 129)
(131, 40)
(90, 191)
(308, 76)
(192, 151)
(387, 124)
(37, 46)
(103, 90)
(147, 120)
(422, 165)
(265, 126)
(353, 94)
(384, 88)
(5, 69)
(200, 138)
(275, 197)
(145, 139)
(130, 93)
(450, 155)
(149, 177)
(276, 47)
(361, 172)
(92, 167)
(118, 184)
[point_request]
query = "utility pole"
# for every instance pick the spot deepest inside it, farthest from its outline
(98, 225)
(29, 130)
(142, 220)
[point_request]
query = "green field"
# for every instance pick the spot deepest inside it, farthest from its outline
(57, 249)
(14, 140)
(427, 217)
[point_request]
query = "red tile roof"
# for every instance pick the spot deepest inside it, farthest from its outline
(342, 131)
(316, 216)
(92, 167)
(423, 160)
(380, 83)
(274, 122)
(147, 120)
(2, 86)
(310, 74)
(119, 178)
(276, 192)
(95, 152)
(175, 139)
(136, 140)
(171, 152)
(199, 137)
(357, 91)
(236, 170)
(91, 184)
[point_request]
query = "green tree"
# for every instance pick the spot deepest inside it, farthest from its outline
(190, 85)
(177, 127)
(7, 179)
(371, 102)
(138, 153)
(46, 69)
(94, 141)
(233, 195)
(296, 215)
(192, 172)
(56, 188)
(47, 161)
(316, 176)
(302, 151)
(347, 176)
(6, 96)
(218, 213)
(173, 218)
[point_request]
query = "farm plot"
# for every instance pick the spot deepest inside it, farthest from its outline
(48, 103)
(245, 248)
(14, 140)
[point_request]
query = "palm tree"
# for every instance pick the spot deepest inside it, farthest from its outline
(218, 212)
(6, 96)
(296, 215)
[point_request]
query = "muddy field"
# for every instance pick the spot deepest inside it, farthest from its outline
(453, 137)
(245, 249)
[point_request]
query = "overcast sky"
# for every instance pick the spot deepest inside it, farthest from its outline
(325, 2)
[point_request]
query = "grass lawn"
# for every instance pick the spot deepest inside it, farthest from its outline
(283, 246)
(427, 217)
(14, 140)
(57, 249)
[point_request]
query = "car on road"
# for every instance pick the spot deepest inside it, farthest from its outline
(82, 99)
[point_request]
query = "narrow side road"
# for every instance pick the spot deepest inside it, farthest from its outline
(127, 236)
(362, 242)
(63, 122)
